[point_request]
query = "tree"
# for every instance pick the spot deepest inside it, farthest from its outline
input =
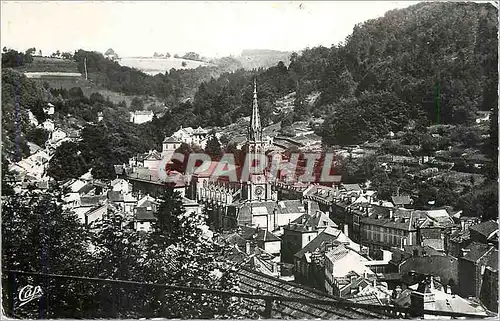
(31, 51)
(67, 55)
(182, 255)
(191, 56)
(67, 162)
(35, 231)
(6, 187)
(137, 104)
(38, 136)
(110, 52)
(12, 58)
(213, 147)
(224, 139)
(184, 64)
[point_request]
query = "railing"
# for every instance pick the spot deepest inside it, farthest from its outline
(389, 311)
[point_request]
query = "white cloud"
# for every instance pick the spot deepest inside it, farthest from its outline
(210, 28)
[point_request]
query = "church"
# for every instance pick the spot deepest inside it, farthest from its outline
(253, 202)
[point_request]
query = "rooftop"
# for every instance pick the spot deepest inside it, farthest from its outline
(487, 229)
(329, 235)
(259, 283)
(314, 222)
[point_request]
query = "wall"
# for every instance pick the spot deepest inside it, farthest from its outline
(489, 290)
(446, 267)
(466, 277)
(142, 226)
(97, 214)
(273, 247)
(152, 164)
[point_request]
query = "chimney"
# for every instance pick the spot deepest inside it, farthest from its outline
(365, 274)
(391, 213)
(275, 267)
(346, 230)
(353, 277)
(247, 248)
(374, 283)
(465, 252)
(398, 291)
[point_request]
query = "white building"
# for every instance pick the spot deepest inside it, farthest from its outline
(170, 144)
(57, 135)
(49, 109)
(120, 185)
(141, 116)
(48, 125)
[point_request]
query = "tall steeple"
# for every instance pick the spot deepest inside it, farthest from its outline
(255, 130)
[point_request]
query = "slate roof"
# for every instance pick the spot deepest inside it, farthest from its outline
(328, 235)
(460, 236)
(368, 298)
(315, 221)
(403, 220)
(259, 283)
(258, 234)
(477, 251)
(142, 214)
(485, 228)
(92, 200)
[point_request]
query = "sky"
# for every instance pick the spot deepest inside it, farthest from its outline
(212, 29)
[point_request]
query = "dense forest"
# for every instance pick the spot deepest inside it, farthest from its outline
(431, 62)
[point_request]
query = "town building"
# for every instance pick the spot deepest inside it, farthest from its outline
(298, 233)
(485, 232)
(343, 267)
(430, 296)
(141, 116)
(472, 266)
(48, 125)
(309, 261)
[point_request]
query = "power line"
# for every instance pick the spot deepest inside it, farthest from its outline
(267, 298)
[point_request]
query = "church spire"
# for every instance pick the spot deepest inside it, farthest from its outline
(255, 126)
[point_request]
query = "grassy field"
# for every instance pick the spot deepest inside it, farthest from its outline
(89, 87)
(46, 64)
(54, 65)
(153, 66)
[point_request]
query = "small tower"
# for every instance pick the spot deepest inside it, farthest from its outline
(257, 187)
